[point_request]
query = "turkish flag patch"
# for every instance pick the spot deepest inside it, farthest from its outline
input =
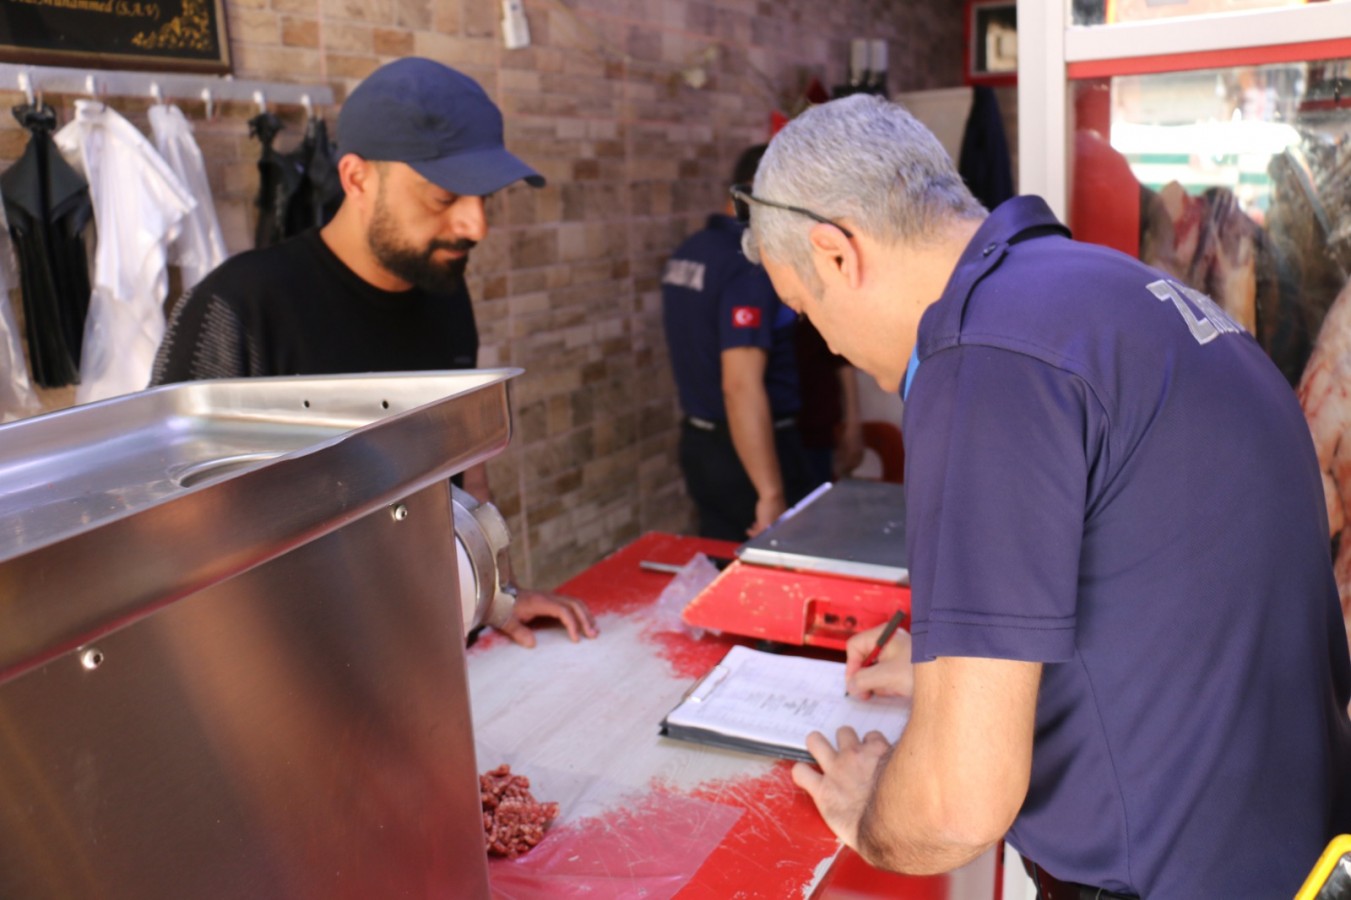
(745, 317)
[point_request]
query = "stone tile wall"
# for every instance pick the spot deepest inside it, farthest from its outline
(635, 111)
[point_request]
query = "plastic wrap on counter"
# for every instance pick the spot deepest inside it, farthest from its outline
(687, 584)
(603, 848)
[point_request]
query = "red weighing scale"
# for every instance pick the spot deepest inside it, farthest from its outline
(834, 565)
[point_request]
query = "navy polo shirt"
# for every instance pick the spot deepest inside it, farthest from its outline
(1106, 475)
(714, 299)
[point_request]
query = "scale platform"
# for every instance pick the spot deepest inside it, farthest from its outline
(834, 566)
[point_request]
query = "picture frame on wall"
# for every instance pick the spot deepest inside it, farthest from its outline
(164, 35)
(990, 49)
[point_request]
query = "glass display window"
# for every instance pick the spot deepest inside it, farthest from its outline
(1212, 138)
(1236, 181)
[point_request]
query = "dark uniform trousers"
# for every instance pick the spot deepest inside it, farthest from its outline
(1051, 888)
(718, 483)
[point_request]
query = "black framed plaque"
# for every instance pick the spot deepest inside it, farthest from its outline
(186, 35)
(991, 47)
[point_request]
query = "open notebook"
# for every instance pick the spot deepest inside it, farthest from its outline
(768, 703)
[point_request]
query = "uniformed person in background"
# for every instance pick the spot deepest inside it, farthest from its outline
(732, 352)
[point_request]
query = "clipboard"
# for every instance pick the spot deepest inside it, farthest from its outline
(767, 704)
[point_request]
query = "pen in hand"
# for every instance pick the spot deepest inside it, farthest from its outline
(882, 639)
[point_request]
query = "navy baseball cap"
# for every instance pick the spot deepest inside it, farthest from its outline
(435, 119)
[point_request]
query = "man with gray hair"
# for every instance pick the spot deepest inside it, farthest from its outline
(1126, 651)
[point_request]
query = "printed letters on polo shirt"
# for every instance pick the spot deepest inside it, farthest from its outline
(745, 317)
(684, 273)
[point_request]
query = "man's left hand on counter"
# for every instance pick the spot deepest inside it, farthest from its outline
(843, 785)
(531, 605)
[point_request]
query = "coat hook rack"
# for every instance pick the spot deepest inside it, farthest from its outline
(118, 83)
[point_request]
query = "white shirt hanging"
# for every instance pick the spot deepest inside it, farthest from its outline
(139, 205)
(201, 246)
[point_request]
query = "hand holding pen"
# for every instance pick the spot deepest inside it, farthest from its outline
(894, 676)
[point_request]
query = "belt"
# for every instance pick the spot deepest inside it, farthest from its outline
(710, 425)
(1051, 888)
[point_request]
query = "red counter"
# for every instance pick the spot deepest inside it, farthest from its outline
(642, 815)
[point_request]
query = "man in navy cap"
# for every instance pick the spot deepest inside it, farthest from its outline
(1127, 649)
(381, 287)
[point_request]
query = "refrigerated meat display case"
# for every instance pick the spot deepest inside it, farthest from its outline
(232, 645)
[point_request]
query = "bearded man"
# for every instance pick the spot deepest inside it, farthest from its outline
(381, 287)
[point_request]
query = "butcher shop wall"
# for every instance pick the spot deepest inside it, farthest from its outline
(567, 282)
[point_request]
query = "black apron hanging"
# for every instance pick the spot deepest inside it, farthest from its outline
(47, 204)
(279, 177)
(320, 193)
(297, 190)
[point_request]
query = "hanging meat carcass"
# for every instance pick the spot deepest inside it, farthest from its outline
(1209, 243)
(1325, 395)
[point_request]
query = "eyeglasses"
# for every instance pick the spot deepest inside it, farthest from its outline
(742, 198)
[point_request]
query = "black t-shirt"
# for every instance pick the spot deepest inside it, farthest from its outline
(296, 309)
